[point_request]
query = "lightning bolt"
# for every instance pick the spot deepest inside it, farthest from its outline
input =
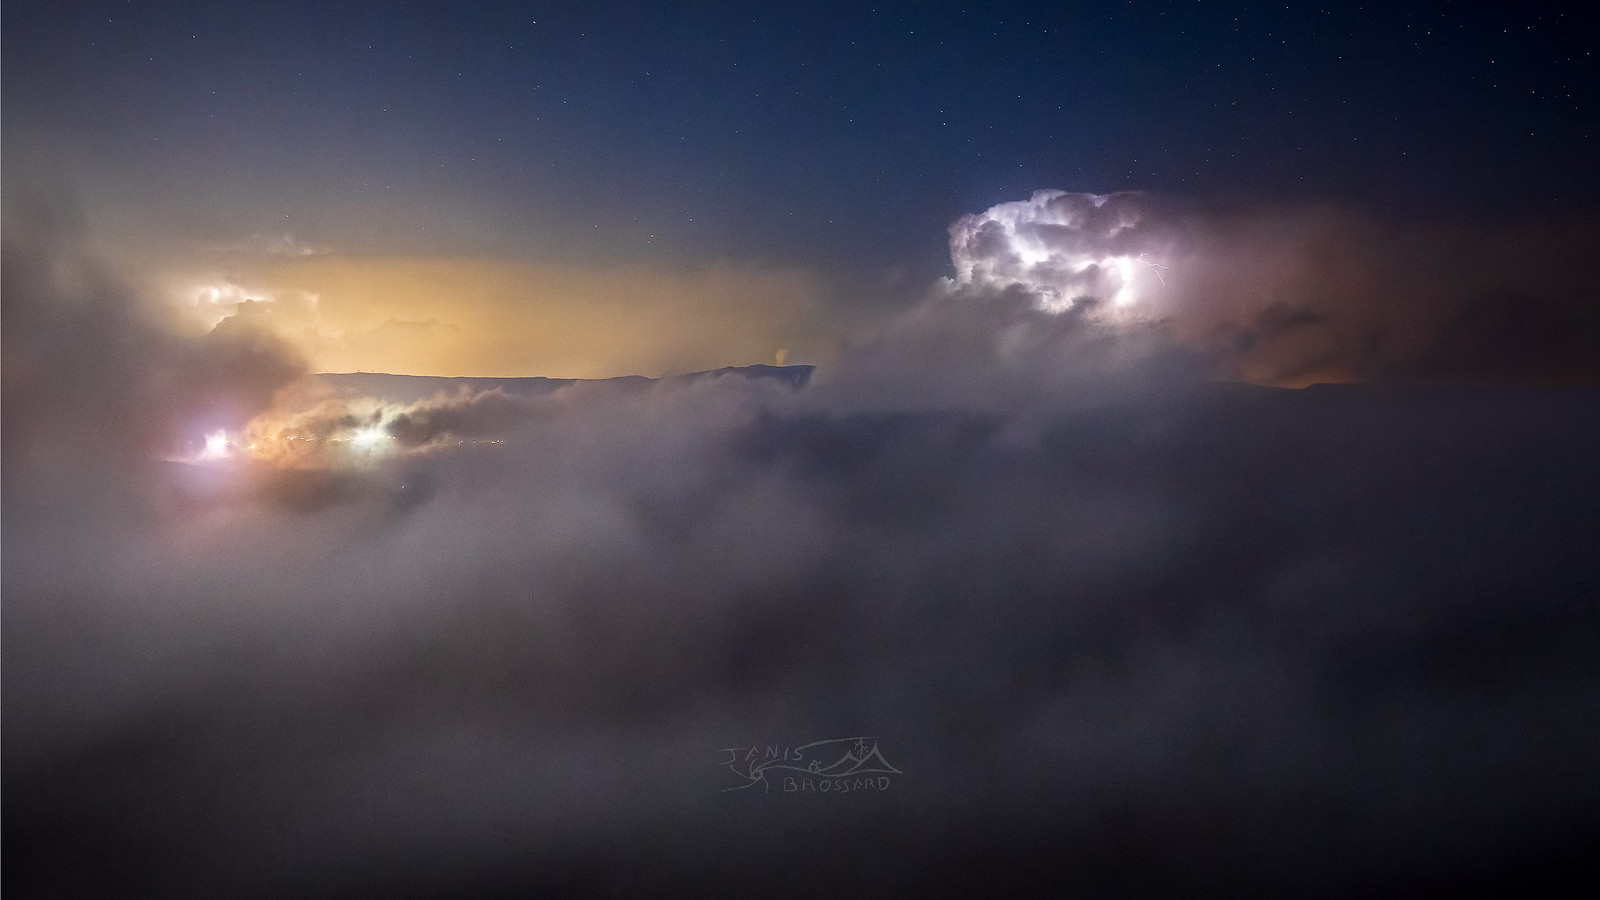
(1156, 267)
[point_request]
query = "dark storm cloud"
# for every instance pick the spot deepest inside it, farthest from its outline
(1305, 293)
(89, 366)
(1119, 627)
(1339, 294)
(471, 417)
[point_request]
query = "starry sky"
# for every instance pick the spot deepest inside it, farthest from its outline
(838, 137)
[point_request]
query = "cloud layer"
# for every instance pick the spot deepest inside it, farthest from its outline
(1297, 295)
(1121, 627)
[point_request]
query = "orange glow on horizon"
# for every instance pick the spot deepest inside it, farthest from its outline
(504, 318)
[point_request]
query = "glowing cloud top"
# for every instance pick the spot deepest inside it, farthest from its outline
(1063, 247)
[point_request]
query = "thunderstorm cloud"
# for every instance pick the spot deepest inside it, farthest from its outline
(1303, 294)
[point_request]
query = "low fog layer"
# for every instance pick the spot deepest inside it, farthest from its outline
(1117, 623)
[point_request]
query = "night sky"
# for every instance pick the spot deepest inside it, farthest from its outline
(472, 450)
(819, 134)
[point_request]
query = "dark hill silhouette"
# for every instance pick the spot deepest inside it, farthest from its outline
(412, 388)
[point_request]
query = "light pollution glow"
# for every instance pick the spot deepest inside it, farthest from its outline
(309, 429)
(506, 318)
(474, 317)
(1279, 298)
(486, 317)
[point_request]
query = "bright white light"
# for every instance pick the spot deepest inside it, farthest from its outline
(211, 303)
(217, 447)
(1063, 247)
(1126, 268)
(1030, 252)
(370, 438)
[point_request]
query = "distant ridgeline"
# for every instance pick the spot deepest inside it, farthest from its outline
(412, 388)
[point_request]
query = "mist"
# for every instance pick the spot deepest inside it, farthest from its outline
(1119, 618)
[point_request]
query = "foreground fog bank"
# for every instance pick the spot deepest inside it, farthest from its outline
(1107, 625)
(1324, 638)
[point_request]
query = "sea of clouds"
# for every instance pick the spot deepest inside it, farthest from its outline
(1119, 621)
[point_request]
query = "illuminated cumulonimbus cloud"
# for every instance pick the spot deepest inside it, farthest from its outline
(1066, 248)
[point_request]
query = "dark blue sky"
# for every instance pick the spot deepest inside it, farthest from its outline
(840, 134)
